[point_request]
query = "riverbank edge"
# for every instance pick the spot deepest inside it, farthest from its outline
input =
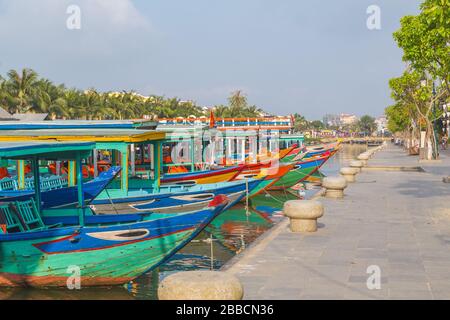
(236, 263)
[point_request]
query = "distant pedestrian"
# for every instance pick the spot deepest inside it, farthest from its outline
(444, 140)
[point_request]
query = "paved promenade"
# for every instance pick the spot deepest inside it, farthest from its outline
(398, 221)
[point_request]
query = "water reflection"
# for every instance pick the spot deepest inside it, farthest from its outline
(88, 293)
(230, 233)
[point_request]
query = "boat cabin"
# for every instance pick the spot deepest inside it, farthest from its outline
(138, 152)
(27, 215)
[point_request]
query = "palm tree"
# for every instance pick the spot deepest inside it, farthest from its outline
(49, 98)
(90, 104)
(21, 87)
(5, 98)
(74, 100)
(300, 122)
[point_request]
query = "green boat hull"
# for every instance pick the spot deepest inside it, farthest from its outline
(293, 177)
(24, 263)
(261, 187)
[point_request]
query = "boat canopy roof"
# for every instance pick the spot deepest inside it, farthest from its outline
(174, 132)
(78, 124)
(45, 150)
(292, 136)
(93, 135)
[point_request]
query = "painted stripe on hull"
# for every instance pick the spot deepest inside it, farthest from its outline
(23, 264)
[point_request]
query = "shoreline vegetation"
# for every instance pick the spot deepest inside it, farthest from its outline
(24, 91)
(422, 93)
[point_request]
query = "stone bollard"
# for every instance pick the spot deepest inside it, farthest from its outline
(303, 214)
(356, 164)
(334, 187)
(349, 174)
(363, 157)
(200, 285)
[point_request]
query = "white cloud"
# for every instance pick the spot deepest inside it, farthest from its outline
(34, 34)
(100, 14)
(117, 13)
(41, 25)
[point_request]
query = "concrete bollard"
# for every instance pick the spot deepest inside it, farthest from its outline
(334, 187)
(200, 285)
(356, 164)
(363, 157)
(303, 214)
(349, 174)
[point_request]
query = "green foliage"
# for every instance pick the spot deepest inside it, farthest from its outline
(367, 124)
(425, 40)
(317, 125)
(398, 118)
(237, 107)
(300, 123)
(25, 92)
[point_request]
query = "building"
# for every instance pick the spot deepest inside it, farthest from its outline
(332, 120)
(6, 116)
(347, 119)
(381, 122)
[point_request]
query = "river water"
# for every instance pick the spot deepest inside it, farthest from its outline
(229, 234)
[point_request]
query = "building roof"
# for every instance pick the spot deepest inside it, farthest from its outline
(30, 116)
(5, 115)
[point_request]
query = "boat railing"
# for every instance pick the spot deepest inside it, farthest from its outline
(8, 184)
(47, 183)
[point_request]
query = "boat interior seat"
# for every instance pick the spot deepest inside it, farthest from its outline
(9, 222)
(30, 217)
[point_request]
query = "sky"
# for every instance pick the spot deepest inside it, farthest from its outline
(289, 56)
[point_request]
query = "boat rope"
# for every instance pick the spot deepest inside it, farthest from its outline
(247, 212)
(111, 202)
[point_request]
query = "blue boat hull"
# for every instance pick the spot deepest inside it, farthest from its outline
(65, 197)
(172, 202)
(103, 254)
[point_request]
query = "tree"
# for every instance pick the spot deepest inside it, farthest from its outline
(20, 88)
(399, 119)
(414, 93)
(424, 40)
(317, 125)
(300, 123)
(237, 107)
(367, 124)
(25, 92)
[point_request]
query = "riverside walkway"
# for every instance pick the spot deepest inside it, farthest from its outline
(398, 221)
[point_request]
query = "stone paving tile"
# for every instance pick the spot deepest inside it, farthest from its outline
(395, 220)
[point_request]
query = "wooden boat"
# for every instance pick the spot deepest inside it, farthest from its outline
(202, 177)
(320, 150)
(316, 177)
(172, 198)
(299, 173)
(44, 248)
(133, 193)
(65, 197)
(271, 156)
(269, 176)
(294, 154)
